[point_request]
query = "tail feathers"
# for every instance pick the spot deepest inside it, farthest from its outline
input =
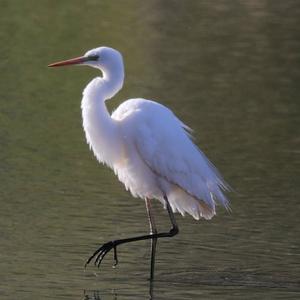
(182, 202)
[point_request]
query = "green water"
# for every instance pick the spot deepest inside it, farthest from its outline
(229, 69)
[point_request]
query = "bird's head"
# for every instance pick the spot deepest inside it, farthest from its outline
(104, 58)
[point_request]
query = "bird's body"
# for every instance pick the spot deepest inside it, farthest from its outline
(147, 146)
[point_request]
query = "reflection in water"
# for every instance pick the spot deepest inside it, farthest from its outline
(93, 295)
(101, 295)
(228, 278)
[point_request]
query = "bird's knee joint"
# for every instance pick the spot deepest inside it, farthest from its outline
(174, 231)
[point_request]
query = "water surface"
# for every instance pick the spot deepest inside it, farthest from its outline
(229, 70)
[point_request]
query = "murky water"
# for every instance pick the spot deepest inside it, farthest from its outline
(229, 69)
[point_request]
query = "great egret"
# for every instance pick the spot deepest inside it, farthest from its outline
(149, 149)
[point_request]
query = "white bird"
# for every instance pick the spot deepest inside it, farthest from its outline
(149, 149)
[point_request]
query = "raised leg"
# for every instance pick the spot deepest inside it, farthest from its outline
(100, 253)
(152, 231)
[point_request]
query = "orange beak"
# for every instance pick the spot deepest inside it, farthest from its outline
(72, 61)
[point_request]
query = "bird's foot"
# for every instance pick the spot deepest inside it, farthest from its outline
(100, 253)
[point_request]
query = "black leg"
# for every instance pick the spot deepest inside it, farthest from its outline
(100, 253)
(152, 231)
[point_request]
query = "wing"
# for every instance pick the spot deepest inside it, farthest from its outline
(165, 144)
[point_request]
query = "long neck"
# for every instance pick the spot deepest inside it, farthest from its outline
(102, 133)
(112, 80)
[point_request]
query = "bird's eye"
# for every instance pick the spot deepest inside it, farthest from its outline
(93, 57)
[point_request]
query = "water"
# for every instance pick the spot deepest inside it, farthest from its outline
(229, 69)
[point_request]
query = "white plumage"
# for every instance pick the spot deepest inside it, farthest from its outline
(146, 145)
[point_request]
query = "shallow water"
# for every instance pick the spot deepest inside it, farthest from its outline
(229, 70)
